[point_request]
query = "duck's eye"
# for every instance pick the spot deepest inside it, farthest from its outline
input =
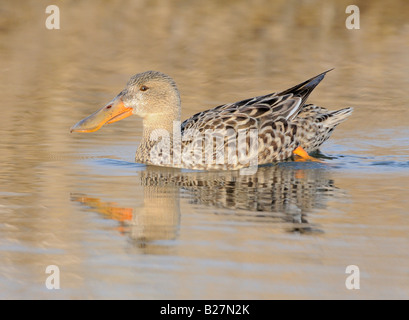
(143, 88)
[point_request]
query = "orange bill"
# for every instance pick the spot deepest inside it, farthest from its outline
(112, 112)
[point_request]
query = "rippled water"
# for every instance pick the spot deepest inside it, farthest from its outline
(117, 229)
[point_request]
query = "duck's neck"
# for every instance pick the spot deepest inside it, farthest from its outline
(157, 130)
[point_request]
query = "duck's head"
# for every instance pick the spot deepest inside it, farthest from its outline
(151, 95)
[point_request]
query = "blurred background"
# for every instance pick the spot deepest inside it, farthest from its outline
(121, 230)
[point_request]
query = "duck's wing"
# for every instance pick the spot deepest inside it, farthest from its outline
(246, 113)
(286, 104)
(299, 93)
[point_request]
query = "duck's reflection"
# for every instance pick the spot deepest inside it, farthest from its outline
(284, 193)
(156, 217)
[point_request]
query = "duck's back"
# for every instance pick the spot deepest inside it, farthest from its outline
(281, 120)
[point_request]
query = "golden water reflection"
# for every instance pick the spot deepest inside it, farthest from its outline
(281, 194)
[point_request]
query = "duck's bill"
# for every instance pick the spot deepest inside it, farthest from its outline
(112, 112)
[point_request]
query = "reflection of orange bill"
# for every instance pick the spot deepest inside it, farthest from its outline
(121, 214)
(108, 209)
(299, 174)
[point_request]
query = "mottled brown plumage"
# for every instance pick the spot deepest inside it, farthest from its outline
(267, 128)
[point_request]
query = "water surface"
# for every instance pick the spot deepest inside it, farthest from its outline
(117, 229)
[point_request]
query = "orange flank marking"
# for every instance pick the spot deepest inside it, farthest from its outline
(303, 155)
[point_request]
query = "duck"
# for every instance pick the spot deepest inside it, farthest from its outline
(257, 131)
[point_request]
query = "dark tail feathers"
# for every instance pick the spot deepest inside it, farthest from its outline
(303, 90)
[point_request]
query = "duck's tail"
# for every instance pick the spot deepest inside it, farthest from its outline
(334, 118)
(317, 124)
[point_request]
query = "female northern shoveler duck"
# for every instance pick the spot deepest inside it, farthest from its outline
(281, 124)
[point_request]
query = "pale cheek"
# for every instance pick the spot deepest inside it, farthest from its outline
(138, 104)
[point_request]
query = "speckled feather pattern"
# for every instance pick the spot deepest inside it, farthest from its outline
(283, 122)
